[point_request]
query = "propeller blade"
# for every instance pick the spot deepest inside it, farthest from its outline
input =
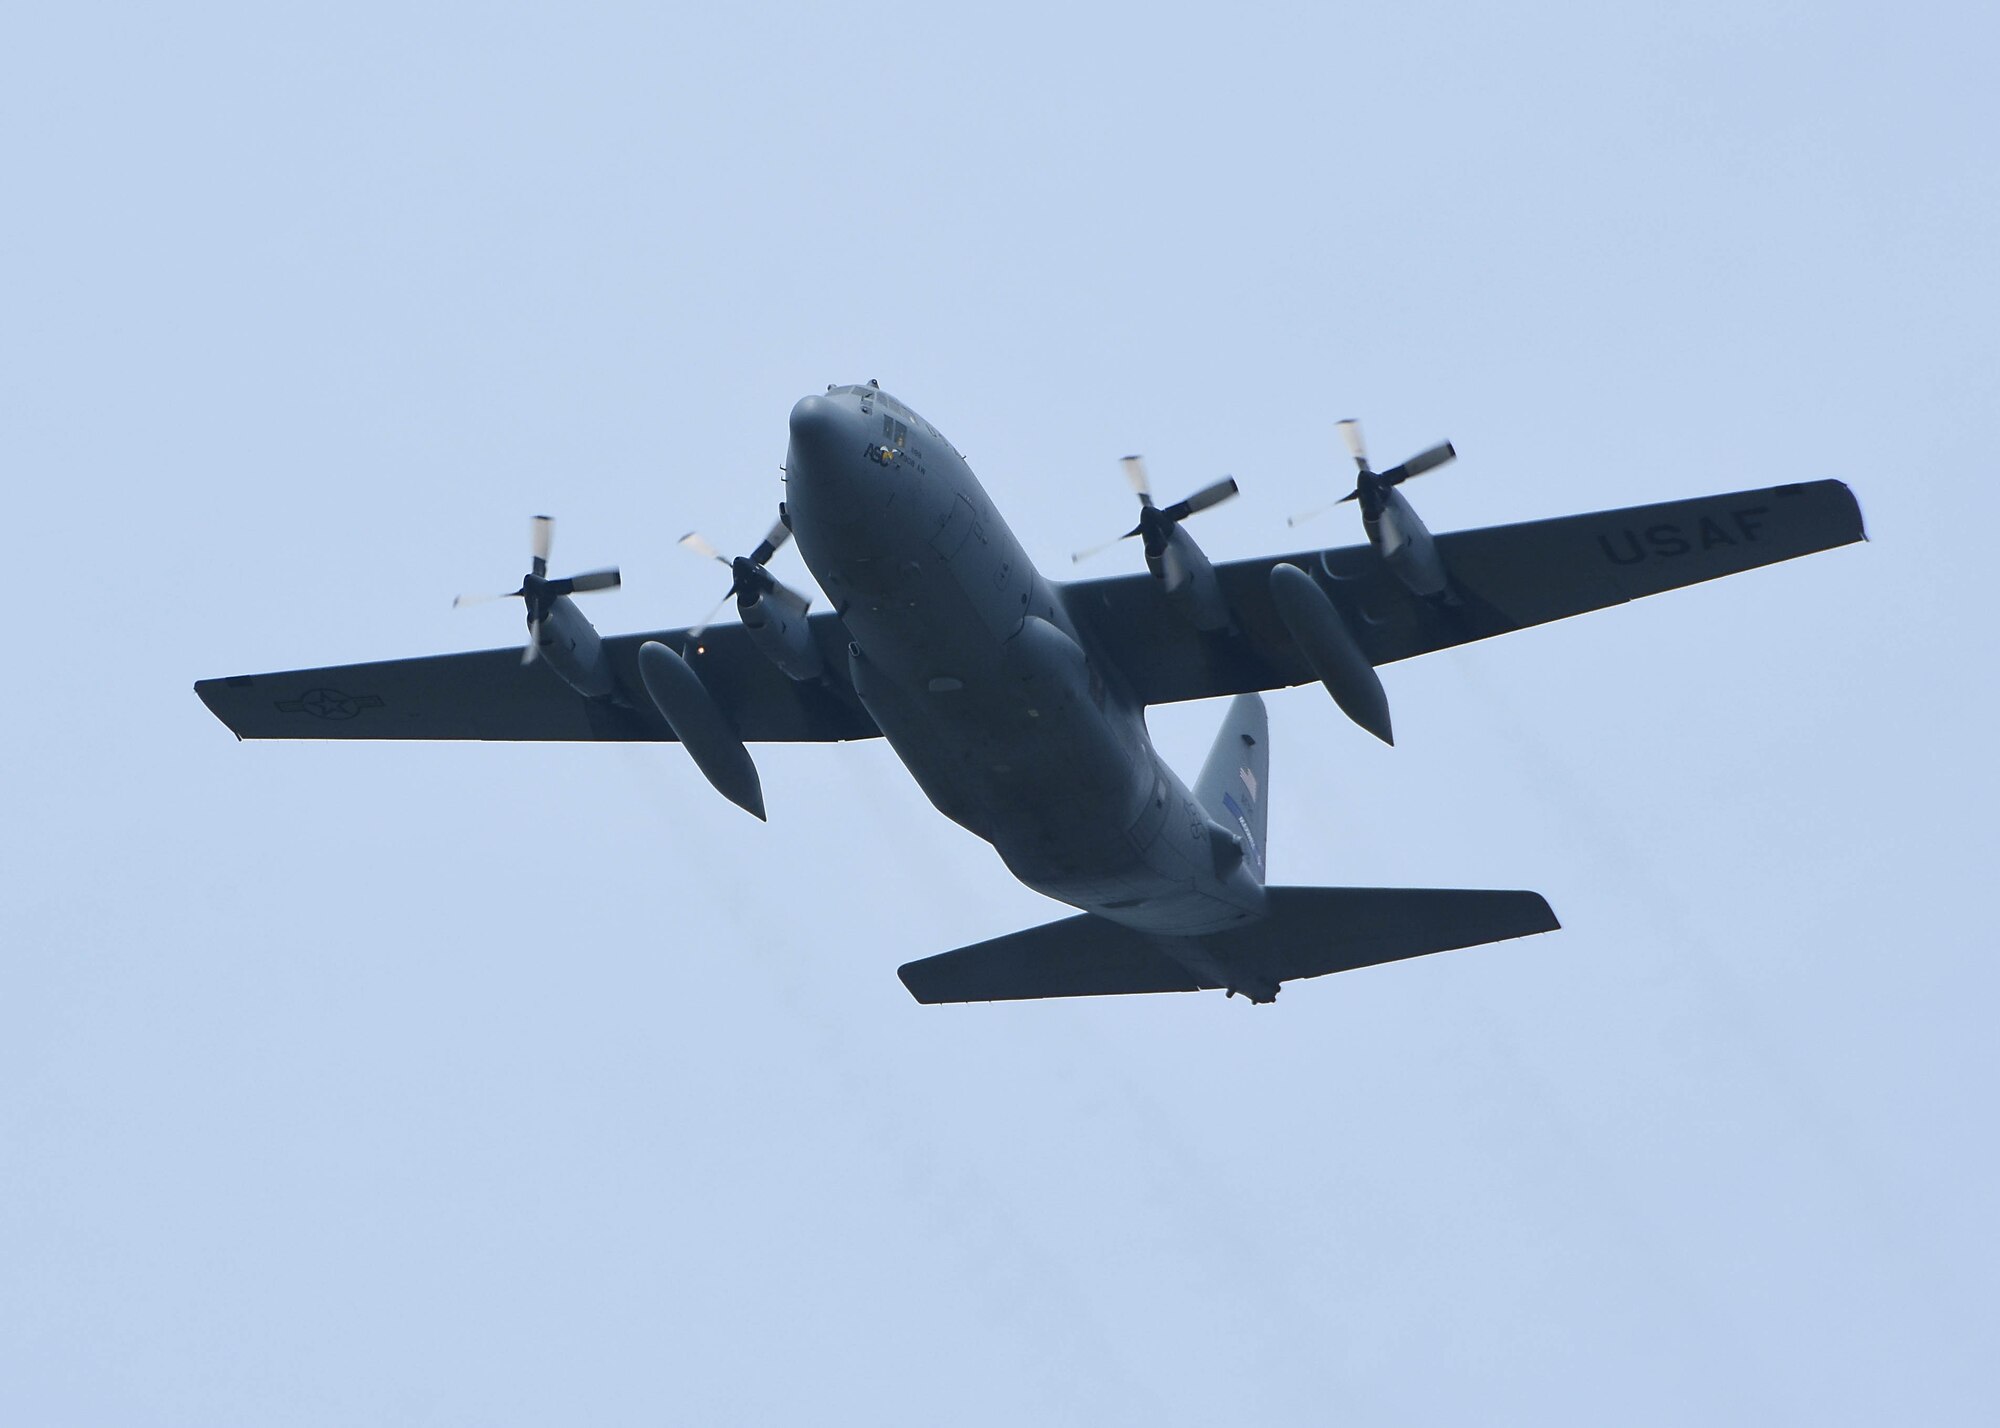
(1173, 568)
(1350, 432)
(534, 648)
(1303, 516)
(720, 605)
(459, 601)
(773, 542)
(1353, 495)
(1135, 473)
(1082, 555)
(790, 597)
(1211, 495)
(700, 545)
(541, 535)
(592, 580)
(1423, 461)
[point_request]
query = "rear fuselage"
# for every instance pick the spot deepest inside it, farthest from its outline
(969, 664)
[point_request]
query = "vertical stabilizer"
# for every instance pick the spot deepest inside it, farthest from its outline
(1234, 780)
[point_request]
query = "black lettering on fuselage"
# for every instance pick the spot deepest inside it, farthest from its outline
(1713, 535)
(1747, 523)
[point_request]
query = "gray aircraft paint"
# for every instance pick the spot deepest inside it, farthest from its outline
(983, 685)
(1018, 705)
(1406, 546)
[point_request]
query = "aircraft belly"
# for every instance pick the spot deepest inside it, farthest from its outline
(983, 560)
(972, 671)
(1154, 871)
(1020, 742)
(1008, 731)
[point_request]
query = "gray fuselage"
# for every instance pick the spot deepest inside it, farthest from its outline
(976, 675)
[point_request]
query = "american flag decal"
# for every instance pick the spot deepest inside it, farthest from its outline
(1249, 839)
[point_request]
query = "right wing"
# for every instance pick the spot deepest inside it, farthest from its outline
(489, 694)
(1503, 578)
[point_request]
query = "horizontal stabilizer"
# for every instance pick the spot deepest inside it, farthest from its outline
(1308, 932)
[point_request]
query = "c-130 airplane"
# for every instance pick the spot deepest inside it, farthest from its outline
(1018, 704)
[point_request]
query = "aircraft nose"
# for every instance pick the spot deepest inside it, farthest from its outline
(831, 488)
(821, 427)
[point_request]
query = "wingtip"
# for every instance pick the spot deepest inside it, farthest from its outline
(205, 690)
(911, 975)
(1555, 923)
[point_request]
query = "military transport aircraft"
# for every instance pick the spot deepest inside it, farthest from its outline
(1018, 703)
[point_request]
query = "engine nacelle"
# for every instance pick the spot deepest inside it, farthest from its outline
(1405, 545)
(1188, 581)
(570, 645)
(777, 626)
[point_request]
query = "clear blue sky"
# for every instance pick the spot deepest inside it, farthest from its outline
(491, 1085)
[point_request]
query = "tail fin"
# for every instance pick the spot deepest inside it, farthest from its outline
(1233, 780)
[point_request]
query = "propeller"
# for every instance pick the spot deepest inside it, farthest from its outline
(748, 579)
(538, 591)
(1369, 484)
(1156, 523)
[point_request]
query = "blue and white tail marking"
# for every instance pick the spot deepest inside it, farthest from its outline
(1232, 781)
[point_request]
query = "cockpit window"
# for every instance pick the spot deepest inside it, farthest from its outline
(872, 394)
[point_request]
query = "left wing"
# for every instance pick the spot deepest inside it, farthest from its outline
(489, 694)
(1503, 578)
